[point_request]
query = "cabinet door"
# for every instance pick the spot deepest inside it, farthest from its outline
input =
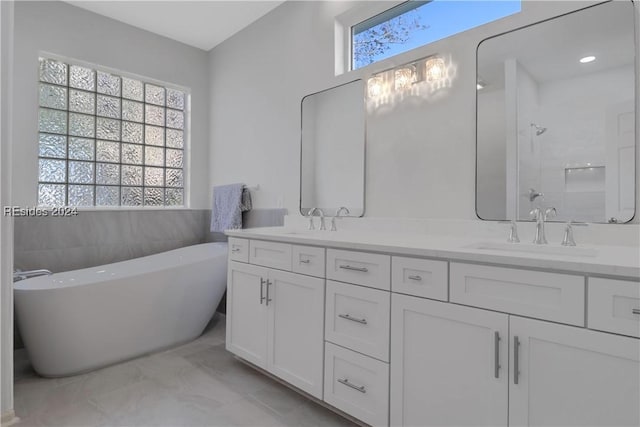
(571, 376)
(296, 319)
(448, 364)
(247, 312)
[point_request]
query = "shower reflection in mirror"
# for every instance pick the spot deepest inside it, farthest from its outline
(556, 121)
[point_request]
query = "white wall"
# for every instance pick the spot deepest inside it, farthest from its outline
(492, 152)
(333, 124)
(62, 29)
(527, 108)
(574, 112)
(420, 152)
(6, 223)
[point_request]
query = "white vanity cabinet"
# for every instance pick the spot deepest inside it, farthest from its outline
(572, 376)
(275, 321)
(449, 364)
(403, 340)
(454, 365)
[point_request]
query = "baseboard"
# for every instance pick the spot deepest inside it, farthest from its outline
(8, 419)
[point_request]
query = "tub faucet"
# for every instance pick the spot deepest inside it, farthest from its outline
(540, 216)
(310, 215)
(333, 220)
(19, 275)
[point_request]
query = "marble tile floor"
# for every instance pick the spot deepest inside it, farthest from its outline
(196, 384)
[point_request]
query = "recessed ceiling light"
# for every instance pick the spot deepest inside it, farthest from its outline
(587, 59)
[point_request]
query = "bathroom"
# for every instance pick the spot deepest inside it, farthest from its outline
(425, 189)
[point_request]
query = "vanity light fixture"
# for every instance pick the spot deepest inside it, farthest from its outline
(435, 69)
(374, 86)
(587, 59)
(405, 77)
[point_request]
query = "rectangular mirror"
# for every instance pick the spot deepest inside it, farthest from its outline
(333, 150)
(556, 112)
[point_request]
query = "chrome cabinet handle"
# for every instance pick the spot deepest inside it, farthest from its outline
(516, 357)
(496, 344)
(262, 298)
(268, 299)
(635, 311)
(346, 382)
(305, 261)
(353, 319)
(235, 250)
(348, 267)
(416, 277)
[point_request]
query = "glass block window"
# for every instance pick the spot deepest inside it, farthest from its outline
(416, 23)
(108, 140)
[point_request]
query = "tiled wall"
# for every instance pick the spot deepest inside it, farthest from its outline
(102, 237)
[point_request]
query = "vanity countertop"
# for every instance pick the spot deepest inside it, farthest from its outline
(620, 261)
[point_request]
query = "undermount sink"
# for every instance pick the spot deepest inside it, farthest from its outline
(535, 249)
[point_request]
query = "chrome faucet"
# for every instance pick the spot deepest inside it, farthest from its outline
(310, 215)
(333, 220)
(567, 239)
(19, 275)
(533, 194)
(540, 216)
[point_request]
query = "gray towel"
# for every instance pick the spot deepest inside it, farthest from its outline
(229, 201)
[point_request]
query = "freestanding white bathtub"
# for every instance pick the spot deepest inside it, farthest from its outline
(81, 320)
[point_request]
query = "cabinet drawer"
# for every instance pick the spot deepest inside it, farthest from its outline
(357, 384)
(358, 318)
(308, 260)
(420, 277)
(614, 306)
(238, 249)
(270, 254)
(550, 296)
(360, 268)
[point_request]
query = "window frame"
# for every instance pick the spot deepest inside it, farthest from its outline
(186, 137)
(377, 12)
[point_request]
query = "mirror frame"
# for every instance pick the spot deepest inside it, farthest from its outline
(636, 63)
(304, 211)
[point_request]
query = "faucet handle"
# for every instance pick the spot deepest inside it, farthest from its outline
(550, 213)
(567, 238)
(338, 212)
(513, 231)
(535, 213)
(310, 216)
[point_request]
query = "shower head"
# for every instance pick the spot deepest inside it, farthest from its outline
(539, 129)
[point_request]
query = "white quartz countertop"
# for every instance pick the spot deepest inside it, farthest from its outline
(621, 261)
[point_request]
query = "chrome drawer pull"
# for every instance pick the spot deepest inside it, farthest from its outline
(348, 267)
(305, 261)
(496, 344)
(269, 283)
(235, 250)
(516, 360)
(415, 278)
(262, 297)
(346, 382)
(353, 319)
(635, 311)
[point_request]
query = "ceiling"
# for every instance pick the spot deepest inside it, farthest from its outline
(202, 24)
(550, 50)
